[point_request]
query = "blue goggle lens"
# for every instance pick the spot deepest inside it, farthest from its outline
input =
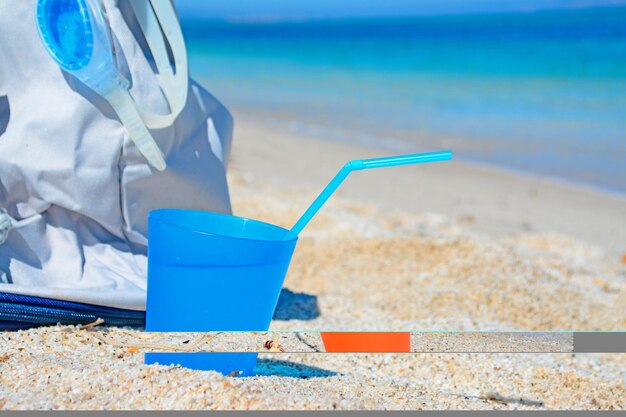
(67, 32)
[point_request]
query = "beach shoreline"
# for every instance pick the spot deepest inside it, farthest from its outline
(488, 200)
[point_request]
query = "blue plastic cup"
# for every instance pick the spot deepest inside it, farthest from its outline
(212, 272)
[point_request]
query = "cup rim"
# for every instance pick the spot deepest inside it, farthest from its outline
(156, 212)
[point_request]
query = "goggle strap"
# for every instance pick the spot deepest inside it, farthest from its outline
(153, 35)
(156, 19)
(124, 106)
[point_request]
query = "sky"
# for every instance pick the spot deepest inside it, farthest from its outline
(320, 9)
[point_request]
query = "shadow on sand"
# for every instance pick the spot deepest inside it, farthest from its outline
(274, 367)
(296, 306)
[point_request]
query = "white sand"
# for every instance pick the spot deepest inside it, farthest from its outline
(448, 246)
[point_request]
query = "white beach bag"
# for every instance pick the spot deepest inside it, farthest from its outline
(75, 192)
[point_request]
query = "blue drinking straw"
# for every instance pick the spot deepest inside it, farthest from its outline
(357, 165)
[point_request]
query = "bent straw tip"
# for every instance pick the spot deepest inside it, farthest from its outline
(448, 153)
(359, 164)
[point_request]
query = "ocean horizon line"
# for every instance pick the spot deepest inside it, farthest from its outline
(269, 20)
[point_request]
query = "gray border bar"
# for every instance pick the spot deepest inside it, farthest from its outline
(600, 342)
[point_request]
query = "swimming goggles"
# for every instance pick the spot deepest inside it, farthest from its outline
(77, 36)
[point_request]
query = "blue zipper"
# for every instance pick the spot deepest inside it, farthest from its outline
(20, 311)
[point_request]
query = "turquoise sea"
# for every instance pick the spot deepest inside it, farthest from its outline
(542, 93)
